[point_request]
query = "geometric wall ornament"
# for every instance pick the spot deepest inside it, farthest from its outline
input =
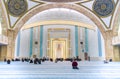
(17, 7)
(103, 8)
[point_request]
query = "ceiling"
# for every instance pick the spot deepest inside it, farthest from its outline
(63, 0)
(60, 14)
(105, 11)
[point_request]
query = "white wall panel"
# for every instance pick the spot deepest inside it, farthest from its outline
(103, 46)
(25, 43)
(16, 46)
(92, 43)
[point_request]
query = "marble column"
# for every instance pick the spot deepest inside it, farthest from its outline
(76, 40)
(36, 42)
(108, 45)
(18, 44)
(31, 42)
(11, 44)
(86, 40)
(99, 43)
(41, 41)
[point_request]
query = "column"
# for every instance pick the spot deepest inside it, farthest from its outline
(18, 44)
(79, 40)
(11, 44)
(99, 43)
(76, 40)
(41, 40)
(36, 42)
(31, 41)
(109, 53)
(86, 40)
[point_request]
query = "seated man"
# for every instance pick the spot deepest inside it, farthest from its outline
(39, 61)
(5, 60)
(56, 60)
(75, 64)
(8, 61)
(110, 60)
(31, 61)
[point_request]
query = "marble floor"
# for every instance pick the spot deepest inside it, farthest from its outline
(60, 70)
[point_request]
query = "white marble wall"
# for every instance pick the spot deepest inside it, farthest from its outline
(81, 38)
(72, 28)
(103, 47)
(36, 38)
(16, 46)
(92, 41)
(24, 43)
(93, 51)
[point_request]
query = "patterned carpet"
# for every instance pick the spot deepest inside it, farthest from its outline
(60, 70)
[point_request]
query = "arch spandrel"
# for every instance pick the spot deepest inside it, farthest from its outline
(116, 21)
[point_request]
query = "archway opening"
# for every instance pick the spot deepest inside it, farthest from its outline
(80, 9)
(78, 42)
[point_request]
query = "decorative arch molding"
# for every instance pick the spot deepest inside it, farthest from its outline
(78, 8)
(116, 20)
(52, 22)
(61, 0)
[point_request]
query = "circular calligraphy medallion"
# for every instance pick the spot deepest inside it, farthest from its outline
(17, 7)
(103, 8)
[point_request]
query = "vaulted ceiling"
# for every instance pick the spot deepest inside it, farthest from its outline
(105, 11)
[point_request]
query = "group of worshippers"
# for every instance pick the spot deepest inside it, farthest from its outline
(9, 61)
(30, 60)
(38, 61)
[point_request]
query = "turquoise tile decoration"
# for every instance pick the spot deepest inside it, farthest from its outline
(18, 44)
(31, 41)
(41, 40)
(99, 43)
(86, 40)
(76, 40)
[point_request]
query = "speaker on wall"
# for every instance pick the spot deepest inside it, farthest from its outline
(81, 42)
(36, 42)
